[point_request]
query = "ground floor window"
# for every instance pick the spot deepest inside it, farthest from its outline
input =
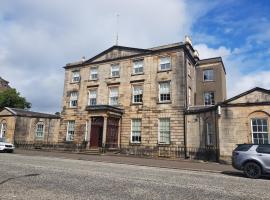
(260, 131)
(70, 130)
(164, 131)
(40, 130)
(136, 130)
(3, 129)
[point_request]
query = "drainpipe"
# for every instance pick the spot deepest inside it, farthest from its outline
(217, 115)
(49, 128)
(185, 105)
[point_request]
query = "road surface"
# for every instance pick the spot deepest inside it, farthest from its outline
(36, 177)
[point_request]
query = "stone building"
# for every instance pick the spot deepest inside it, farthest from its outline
(242, 119)
(23, 126)
(3, 84)
(130, 97)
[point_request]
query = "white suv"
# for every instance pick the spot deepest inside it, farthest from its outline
(6, 147)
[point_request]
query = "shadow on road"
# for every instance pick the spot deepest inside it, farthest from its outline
(8, 179)
(242, 175)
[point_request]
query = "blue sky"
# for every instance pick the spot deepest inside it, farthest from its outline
(38, 38)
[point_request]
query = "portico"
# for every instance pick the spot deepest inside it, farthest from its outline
(104, 126)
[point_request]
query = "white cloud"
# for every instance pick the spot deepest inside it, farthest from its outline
(38, 37)
(206, 52)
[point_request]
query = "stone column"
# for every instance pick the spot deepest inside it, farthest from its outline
(88, 133)
(104, 132)
(119, 134)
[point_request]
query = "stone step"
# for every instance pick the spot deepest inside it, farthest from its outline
(91, 152)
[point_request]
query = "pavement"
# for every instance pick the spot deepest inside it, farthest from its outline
(139, 161)
(25, 176)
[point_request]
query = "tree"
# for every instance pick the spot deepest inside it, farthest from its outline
(11, 98)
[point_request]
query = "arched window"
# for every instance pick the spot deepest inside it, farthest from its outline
(3, 129)
(259, 121)
(260, 130)
(40, 130)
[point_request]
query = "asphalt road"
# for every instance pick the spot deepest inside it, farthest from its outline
(34, 177)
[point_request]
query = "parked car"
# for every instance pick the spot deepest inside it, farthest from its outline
(5, 146)
(253, 159)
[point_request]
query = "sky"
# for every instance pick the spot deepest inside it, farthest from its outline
(37, 38)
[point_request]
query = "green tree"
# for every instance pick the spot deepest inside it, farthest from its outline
(11, 98)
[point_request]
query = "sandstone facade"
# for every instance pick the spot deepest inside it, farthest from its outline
(21, 126)
(112, 124)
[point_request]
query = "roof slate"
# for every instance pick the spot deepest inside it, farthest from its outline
(27, 113)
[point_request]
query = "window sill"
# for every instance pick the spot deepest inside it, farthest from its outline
(39, 138)
(167, 70)
(92, 80)
(78, 82)
(164, 102)
(164, 144)
(136, 104)
(133, 74)
(72, 108)
(207, 81)
(114, 77)
(135, 143)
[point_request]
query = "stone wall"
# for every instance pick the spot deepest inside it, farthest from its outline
(196, 129)
(149, 111)
(235, 126)
(25, 130)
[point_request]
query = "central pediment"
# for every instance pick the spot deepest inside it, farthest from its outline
(116, 52)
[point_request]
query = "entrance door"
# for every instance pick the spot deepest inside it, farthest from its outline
(96, 132)
(112, 133)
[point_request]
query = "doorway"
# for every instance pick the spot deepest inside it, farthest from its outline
(96, 132)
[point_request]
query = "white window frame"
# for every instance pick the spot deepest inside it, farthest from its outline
(189, 68)
(212, 101)
(137, 135)
(70, 131)
(94, 73)
(165, 61)
(92, 97)
(189, 96)
(138, 66)
(140, 93)
(209, 133)
(264, 132)
(208, 73)
(159, 131)
(73, 98)
(115, 70)
(159, 92)
(76, 76)
(112, 95)
(3, 130)
(39, 132)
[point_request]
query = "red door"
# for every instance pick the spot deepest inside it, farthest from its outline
(112, 133)
(96, 132)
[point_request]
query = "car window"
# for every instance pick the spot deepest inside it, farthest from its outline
(243, 147)
(2, 140)
(263, 149)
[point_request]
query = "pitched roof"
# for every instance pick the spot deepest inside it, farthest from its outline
(27, 113)
(119, 48)
(211, 61)
(245, 93)
(200, 109)
(1, 79)
(137, 52)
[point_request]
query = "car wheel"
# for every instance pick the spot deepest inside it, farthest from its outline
(252, 170)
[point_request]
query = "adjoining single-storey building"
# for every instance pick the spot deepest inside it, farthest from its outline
(23, 126)
(244, 118)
